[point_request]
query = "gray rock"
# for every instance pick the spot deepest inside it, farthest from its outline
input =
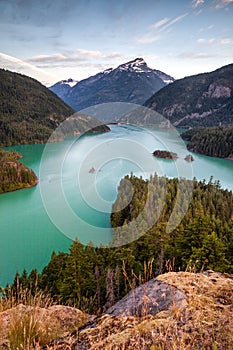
(149, 299)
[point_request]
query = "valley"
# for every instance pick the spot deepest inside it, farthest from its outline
(116, 175)
(115, 205)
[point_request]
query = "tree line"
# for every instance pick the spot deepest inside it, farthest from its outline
(214, 141)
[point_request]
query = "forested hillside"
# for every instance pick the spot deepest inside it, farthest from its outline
(214, 142)
(29, 112)
(13, 174)
(199, 100)
(93, 278)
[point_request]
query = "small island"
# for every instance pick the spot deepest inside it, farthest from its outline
(13, 174)
(165, 154)
(189, 158)
(92, 170)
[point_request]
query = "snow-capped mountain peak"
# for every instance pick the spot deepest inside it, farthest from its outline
(131, 82)
(71, 82)
(137, 65)
(107, 71)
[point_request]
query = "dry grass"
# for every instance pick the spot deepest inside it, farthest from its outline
(32, 321)
(205, 323)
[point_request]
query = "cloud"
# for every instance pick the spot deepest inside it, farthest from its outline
(156, 29)
(98, 54)
(159, 23)
(71, 58)
(196, 3)
(218, 4)
(222, 3)
(16, 65)
(175, 20)
(148, 39)
(195, 55)
(207, 41)
(226, 41)
(37, 13)
(222, 41)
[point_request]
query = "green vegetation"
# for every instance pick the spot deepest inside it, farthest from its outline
(29, 112)
(214, 142)
(93, 278)
(165, 154)
(13, 174)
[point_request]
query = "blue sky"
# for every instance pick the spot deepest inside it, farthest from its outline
(54, 40)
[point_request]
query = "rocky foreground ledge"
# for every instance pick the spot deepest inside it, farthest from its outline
(173, 311)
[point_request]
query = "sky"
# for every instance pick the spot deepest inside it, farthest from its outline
(61, 39)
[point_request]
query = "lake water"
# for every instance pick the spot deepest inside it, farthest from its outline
(70, 201)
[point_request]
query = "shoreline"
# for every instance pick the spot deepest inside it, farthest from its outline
(22, 188)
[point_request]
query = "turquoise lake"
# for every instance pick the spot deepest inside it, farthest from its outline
(70, 201)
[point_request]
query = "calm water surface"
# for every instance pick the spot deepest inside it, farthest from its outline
(30, 230)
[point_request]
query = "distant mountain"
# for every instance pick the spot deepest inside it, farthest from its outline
(199, 100)
(132, 82)
(62, 87)
(29, 112)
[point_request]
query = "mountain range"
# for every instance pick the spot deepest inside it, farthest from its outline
(29, 112)
(199, 100)
(132, 82)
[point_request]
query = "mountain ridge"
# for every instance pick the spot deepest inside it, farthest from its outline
(132, 82)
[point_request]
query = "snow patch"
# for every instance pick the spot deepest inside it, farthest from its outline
(70, 82)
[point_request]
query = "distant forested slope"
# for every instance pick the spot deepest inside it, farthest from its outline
(214, 142)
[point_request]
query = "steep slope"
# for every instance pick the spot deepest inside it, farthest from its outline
(132, 82)
(29, 112)
(199, 100)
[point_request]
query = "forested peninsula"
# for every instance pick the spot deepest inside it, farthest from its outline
(93, 278)
(13, 174)
(214, 141)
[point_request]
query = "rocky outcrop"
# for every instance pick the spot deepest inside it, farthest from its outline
(149, 299)
(176, 310)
